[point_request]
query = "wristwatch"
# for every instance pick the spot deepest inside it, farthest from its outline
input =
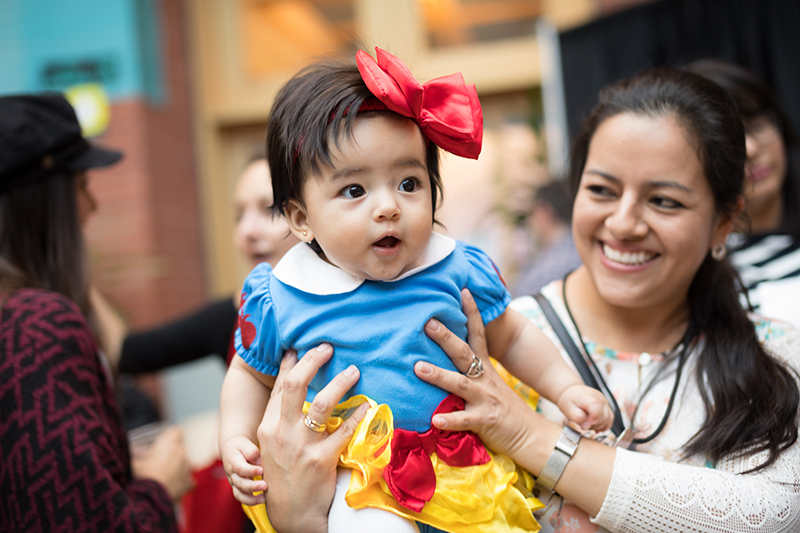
(565, 447)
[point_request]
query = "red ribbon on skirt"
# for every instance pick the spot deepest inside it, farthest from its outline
(410, 475)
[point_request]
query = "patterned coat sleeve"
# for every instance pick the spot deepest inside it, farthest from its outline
(64, 460)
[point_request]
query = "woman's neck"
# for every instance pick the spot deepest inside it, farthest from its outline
(652, 329)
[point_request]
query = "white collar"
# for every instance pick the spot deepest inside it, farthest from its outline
(304, 270)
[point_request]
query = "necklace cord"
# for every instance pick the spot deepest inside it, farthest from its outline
(604, 388)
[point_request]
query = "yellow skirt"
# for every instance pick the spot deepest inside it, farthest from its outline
(489, 498)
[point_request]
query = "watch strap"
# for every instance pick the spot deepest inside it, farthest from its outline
(565, 448)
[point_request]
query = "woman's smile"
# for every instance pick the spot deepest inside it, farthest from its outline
(627, 258)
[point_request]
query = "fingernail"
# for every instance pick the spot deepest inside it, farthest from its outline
(433, 324)
(439, 422)
(466, 295)
(323, 347)
(424, 368)
(350, 370)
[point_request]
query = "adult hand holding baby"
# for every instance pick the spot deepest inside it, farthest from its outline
(291, 446)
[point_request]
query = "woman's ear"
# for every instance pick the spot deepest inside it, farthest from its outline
(298, 221)
(725, 225)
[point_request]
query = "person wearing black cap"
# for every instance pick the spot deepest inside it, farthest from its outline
(64, 457)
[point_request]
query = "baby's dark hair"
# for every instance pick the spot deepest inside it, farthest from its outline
(318, 105)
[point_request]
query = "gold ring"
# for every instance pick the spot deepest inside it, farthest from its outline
(475, 369)
(313, 425)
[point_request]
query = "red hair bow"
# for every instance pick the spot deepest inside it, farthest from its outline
(446, 109)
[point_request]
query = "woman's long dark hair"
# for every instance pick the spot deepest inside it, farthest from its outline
(753, 97)
(41, 244)
(751, 400)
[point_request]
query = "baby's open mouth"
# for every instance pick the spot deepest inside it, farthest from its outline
(387, 242)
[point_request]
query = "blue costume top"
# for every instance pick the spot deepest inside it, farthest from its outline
(377, 326)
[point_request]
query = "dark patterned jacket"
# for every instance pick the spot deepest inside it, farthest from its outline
(64, 460)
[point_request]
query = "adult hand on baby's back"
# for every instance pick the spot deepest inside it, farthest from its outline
(500, 417)
(299, 463)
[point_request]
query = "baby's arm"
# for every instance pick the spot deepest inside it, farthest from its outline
(245, 393)
(528, 354)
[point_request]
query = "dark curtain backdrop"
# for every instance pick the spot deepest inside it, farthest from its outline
(763, 35)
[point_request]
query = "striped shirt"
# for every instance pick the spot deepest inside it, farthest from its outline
(762, 259)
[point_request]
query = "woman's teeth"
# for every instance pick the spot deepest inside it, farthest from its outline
(627, 258)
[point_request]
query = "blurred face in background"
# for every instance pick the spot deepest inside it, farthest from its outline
(766, 171)
(259, 236)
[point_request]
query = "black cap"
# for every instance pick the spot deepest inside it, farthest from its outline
(40, 134)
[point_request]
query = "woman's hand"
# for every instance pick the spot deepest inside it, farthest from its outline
(496, 413)
(504, 421)
(165, 461)
(300, 464)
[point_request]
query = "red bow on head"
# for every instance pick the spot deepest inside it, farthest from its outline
(446, 109)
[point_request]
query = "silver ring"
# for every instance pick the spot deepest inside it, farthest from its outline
(313, 425)
(475, 369)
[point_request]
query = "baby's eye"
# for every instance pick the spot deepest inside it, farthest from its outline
(666, 203)
(353, 191)
(409, 185)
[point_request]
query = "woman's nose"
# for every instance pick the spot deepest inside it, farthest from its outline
(626, 221)
(751, 145)
(246, 227)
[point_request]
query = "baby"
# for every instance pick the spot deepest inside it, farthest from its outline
(353, 155)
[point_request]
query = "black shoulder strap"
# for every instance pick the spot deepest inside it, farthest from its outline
(588, 377)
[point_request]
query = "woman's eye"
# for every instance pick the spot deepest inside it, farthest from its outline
(599, 190)
(353, 191)
(666, 203)
(409, 185)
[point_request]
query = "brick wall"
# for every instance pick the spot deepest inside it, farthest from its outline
(145, 238)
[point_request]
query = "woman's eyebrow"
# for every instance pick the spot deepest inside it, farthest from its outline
(650, 184)
(670, 185)
(602, 175)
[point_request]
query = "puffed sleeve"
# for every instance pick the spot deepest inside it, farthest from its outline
(256, 339)
(485, 284)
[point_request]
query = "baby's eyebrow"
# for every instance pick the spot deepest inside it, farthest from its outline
(400, 163)
(410, 162)
(346, 173)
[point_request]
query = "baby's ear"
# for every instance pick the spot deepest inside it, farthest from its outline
(298, 221)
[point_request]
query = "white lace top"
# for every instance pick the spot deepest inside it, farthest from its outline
(655, 488)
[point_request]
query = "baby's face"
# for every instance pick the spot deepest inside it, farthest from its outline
(371, 212)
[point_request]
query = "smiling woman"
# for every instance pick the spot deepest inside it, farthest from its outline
(644, 217)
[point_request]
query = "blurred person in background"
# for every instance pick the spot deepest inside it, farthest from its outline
(260, 237)
(768, 255)
(554, 253)
(65, 463)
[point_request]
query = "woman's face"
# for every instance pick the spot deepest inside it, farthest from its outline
(766, 167)
(259, 236)
(645, 216)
